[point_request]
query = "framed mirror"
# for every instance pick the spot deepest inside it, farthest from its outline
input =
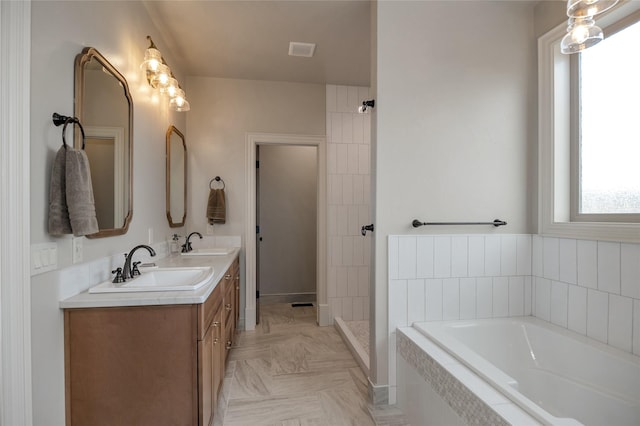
(176, 177)
(104, 106)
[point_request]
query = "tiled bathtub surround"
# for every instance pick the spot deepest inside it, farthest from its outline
(348, 197)
(445, 277)
(590, 287)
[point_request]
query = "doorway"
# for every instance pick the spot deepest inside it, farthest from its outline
(286, 224)
(254, 140)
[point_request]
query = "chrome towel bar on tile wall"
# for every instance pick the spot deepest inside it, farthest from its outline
(497, 222)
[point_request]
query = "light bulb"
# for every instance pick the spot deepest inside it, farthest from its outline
(170, 87)
(582, 33)
(161, 77)
(579, 34)
(152, 59)
(179, 101)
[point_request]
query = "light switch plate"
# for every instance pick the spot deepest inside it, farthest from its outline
(44, 258)
(76, 249)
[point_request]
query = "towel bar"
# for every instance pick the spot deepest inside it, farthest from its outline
(59, 120)
(497, 222)
(217, 179)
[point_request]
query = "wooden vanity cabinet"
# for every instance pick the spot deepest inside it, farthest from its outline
(211, 354)
(149, 365)
(131, 365)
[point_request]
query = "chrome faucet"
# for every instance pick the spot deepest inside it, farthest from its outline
(186, 247)
(127, 271)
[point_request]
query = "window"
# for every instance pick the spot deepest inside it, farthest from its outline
(607, 173)
(589, 133)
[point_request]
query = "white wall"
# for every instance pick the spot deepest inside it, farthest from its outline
(222, 112)
(349, 200)
(455, 127)
(60, 30)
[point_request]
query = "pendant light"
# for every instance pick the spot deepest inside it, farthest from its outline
(582, 33)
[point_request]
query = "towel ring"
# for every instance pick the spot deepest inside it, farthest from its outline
(63, 119)
(216, 179)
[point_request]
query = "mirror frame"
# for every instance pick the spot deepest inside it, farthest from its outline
(171, 130)
(87, 54)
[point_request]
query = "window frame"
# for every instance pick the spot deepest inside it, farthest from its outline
(557, 143)
(575, 135)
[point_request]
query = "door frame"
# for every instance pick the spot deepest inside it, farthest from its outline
(252, 141)
(16, 398)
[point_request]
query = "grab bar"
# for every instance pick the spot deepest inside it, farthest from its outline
(497, 222)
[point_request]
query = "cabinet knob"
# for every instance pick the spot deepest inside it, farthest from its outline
(215, 341)
(228, 276)
(216, 324)
(229, 345)
(227, 306)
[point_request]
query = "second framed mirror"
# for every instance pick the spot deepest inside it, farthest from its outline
(176, 177)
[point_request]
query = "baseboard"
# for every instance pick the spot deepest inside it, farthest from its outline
(324, 315)
(266, 299)
(378, 394)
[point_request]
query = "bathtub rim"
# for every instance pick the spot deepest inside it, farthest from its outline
(436, 333)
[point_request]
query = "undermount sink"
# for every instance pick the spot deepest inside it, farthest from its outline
(161, 279)
(209, 252)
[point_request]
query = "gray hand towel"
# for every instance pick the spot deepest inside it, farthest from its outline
(216, 207)
(82, 211)
(59, 223)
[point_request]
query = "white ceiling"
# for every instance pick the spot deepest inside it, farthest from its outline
(250, 39)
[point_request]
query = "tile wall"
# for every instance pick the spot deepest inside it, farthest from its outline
(349, 200)
(590, 287)
(448, 277)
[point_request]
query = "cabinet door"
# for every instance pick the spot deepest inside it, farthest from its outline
(122, 369)
(218, 357)
(206, 349)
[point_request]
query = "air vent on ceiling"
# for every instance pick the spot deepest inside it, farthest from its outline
(301, 49)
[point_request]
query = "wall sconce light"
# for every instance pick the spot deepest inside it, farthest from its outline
(160, 77)
(366, 105)
(582, 31)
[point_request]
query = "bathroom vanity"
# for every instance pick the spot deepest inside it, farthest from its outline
(151, 358)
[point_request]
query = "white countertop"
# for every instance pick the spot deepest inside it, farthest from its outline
(220, 265)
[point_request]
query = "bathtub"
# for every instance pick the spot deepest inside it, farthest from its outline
(522, 370)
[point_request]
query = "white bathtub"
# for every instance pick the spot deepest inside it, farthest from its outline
(553, 375)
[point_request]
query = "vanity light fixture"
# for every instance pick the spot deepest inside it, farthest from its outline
(366, 105)
(159, 76)
(582, 31)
